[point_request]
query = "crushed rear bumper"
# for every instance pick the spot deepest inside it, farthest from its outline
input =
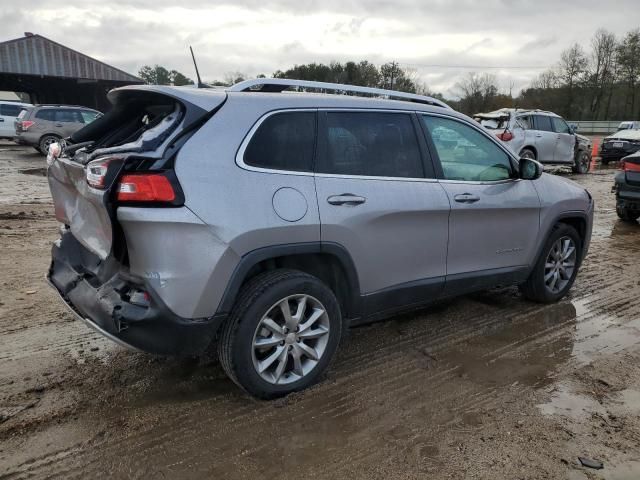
(102, 294)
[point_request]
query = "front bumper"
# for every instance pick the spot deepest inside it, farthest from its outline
(106, 297)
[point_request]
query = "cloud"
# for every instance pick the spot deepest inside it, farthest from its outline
(253, 36)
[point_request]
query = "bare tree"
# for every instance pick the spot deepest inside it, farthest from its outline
(602, 68)
(477, 92)
(571, 70)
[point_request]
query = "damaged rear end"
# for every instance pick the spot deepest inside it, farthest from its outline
(117, 197)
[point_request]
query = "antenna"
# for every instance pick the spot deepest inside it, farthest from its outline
(200, 84)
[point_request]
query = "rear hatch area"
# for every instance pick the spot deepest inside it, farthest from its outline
(124, 159)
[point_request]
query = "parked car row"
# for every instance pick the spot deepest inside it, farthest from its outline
(41, 125)
(539, 135)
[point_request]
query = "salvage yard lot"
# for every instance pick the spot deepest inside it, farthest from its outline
(484, 386)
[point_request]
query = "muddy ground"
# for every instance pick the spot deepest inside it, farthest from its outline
(486, 386)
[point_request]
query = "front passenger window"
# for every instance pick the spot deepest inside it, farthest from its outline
(466, 154)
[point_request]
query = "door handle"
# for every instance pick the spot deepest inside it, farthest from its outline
(466, 198)
(346, 199)
(538, 135)
(1, 119)
(59, 125)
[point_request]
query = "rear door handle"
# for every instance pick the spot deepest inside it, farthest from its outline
(538, 135)
(58, 125)
(346, 199)
(466, 198)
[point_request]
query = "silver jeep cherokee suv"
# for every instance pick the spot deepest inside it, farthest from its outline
(265, 222)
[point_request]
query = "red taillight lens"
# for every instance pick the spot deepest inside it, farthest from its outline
(145, 187)
(630, 167)
(505, 136)
(26, 124)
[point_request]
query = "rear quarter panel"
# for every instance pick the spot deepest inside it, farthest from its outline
(237, 204)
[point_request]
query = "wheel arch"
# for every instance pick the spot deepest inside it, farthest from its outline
(330, 262)
(529, 147)
(576, 219)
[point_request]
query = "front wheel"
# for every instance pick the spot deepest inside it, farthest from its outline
(556, 269)
(581, 164)
(282, 334)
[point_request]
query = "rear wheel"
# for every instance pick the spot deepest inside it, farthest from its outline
(581, 164)
(627, 215)
(527, 153)
(281, 335)
(45, 143)
(556, 269)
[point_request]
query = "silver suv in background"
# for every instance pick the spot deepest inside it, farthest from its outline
(41, 125)
(540, 135)
(264, 224)
(9, 111)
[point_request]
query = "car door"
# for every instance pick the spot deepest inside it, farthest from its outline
(545, 138)
(565, 141)
(494, 219)
(378, 199)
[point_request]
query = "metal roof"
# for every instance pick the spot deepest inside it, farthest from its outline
(37, 55)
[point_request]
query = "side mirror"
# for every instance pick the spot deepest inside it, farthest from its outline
(530, 169)
(573, 128)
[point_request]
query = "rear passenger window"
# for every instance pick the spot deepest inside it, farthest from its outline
(46, 114)
(284, 141)
(543, 123)
(371, 144)
(68, 116)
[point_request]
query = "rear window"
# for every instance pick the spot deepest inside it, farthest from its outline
(371, 144)
(9, 110)
(23, 113)
(284, 141)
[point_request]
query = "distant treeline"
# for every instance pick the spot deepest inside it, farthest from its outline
(598, 82)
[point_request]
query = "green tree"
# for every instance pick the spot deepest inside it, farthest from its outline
(159, 75)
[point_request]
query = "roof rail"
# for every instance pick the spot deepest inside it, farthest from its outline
(277, 85)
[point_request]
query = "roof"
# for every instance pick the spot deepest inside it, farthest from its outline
(37, 55)
(209, 98)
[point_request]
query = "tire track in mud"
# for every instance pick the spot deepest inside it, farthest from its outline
(394, 369)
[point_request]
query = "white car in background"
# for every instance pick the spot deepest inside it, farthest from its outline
(9, 111)
(539, 135)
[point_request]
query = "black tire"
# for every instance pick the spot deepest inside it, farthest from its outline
(45, 141)
(256, 298)
(534, 288)
(528, 153)
(582, 161)
(627, 215)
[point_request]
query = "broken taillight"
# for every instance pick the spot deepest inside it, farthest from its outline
(26, 124)
(505, 136)
(97, 172)
(145, 187)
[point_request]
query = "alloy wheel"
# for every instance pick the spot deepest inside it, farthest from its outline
(560, 264)
(290, 339)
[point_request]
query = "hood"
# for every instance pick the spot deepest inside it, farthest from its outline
(625, 135)
(583, 140)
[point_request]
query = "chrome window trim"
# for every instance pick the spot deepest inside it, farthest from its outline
(245, 142)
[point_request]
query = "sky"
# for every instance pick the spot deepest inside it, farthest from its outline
(440, 40)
